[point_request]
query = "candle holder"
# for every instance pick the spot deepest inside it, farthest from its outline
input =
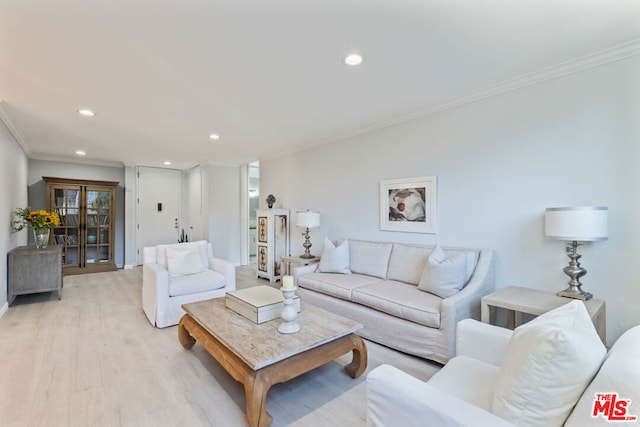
(289, 313)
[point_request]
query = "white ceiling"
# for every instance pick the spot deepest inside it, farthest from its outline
(267, 75)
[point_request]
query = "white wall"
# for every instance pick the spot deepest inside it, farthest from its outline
(13, 194)
(500, 162)
(224, 214)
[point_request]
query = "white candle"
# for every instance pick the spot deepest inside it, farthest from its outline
(287, 282)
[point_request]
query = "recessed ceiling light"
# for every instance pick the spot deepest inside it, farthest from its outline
(214, 136)
(85, 112)
(353, 59)
(81, 153)
(167, 163)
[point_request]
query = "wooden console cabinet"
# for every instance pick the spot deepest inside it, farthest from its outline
(32, 270)
(87, 223)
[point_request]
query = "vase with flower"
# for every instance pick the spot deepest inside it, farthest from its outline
(40, 221)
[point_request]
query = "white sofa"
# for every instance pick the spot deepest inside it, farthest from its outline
(181, 273)
(381, 292)
(476, 386)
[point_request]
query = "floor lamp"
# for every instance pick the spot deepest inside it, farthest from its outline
(581, 224)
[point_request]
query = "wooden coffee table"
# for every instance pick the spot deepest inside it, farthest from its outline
(258, 356)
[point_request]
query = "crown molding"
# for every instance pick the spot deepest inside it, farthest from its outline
(13, 129)
(76, 160)
(603, 57)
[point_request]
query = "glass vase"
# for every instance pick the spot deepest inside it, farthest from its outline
(41, 235)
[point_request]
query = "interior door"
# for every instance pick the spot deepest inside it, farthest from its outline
(158, 207)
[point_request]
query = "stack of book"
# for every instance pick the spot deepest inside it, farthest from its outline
(259, 303)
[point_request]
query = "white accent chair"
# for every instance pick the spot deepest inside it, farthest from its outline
(181, 273)
(469, 390)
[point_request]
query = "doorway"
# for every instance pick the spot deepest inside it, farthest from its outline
(254, 202)
(158, 207)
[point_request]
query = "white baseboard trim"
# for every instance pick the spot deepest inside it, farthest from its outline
(129, 266)
(4, 309)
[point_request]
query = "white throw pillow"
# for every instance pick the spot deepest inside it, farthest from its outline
(443, 276)
(335, 259)
(547, 366)
(183, 261)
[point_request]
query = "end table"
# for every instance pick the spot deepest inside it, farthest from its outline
(296, 261)
(518, 300)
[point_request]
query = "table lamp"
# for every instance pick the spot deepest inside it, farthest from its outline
(307, 219)
(577, 224)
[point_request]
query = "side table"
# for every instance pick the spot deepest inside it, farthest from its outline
(518, 300)
(31, 270)
(297, 261)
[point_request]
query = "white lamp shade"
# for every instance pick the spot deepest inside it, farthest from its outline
(308, 219)
(580, 224)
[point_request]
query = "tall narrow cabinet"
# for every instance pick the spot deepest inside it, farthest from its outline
(273, 242)
(86, 231)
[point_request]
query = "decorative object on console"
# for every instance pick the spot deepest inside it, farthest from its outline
(271, 199)
(307, 219)
(408, 204)
(576, 224)
(41, 221)
(289, 313)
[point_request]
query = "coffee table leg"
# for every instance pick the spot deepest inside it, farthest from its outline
(184, 336)
(256, 386)
(360, 359)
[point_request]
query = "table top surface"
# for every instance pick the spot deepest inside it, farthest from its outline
(533, 301)
(260, 345)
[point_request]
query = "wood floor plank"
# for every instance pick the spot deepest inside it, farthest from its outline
(92, 358)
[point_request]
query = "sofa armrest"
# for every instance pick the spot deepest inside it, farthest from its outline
(482, 341)
(303, 269)
(466, 303)
(395, 398)
(227, 269)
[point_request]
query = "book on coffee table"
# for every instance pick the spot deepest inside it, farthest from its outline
(259, 303)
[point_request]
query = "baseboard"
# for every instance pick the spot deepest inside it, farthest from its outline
(4, 309)
(129, 266)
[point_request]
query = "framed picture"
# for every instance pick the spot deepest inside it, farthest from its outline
(408, 204)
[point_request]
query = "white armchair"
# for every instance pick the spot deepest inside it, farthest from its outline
(181, 273)
(546, 372)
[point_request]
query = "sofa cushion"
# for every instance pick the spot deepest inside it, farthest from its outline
(469, 379)
(370, 258)
(443, 275)
(400, 300)
(335, 258)
(208, 280)
(620, 373)
(407, 262)
(183, 261)
(334, 284)
(200, 245)
(548, 364)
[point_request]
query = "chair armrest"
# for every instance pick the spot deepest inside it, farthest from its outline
(155, 289)
(395, 398)
(227, 269)
(155, 278)
(482, 341)
(303, 269)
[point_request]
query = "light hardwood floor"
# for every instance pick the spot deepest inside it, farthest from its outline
(93, 359)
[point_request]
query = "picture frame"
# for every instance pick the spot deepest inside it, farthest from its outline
(408, 204)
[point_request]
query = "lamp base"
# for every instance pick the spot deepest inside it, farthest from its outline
(307, 256)
(575, 294)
